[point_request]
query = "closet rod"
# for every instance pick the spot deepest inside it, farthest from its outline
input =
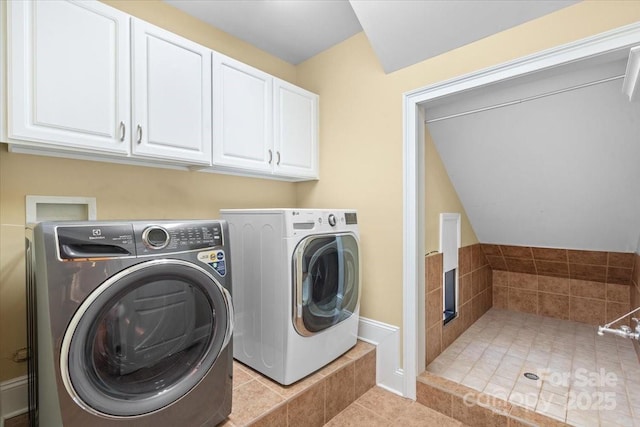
(519, 101)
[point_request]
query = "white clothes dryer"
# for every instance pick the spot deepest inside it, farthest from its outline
(296, 288)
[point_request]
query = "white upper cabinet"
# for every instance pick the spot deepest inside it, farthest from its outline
(171, 96)
(243, 116)
(86, 80)
(296, 131)
(68, 73)
(262, 125)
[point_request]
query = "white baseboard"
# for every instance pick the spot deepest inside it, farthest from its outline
(13, 398)
(389, 374)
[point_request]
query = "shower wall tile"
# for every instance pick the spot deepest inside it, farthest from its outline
(433, 272)
(478, 260)
(597, 273)
(497, 262)
(587, 293)
(619, 275)
(596, 266)
(618, 293)
(552, 268)
(491, 249)
(587, 289)
(434, 308)
(500, 278)
(555, 285)
(587, 310)
(475, 296)
(520, 265)
(523, 281)
(548, 254)
(587, 257)
(621, 259)
(587, 286)
(466, 289)
(500, 296)
(516, 251)
(434, 342)
(464, 260)
(523, 300)
(553, 305)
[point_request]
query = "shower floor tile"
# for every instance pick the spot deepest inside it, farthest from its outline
(583, 379)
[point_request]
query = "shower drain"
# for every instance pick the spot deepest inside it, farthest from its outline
(531, 376)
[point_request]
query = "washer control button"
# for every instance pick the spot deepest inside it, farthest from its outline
(332, 220)
(155, 237)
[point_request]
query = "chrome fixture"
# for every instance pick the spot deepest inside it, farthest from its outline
(623, 331)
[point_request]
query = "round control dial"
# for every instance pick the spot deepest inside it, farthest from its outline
(155, 237)
(332, 220)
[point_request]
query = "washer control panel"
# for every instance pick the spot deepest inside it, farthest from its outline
(104, 240)
(178, 237)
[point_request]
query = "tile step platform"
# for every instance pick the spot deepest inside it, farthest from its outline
(312, 401)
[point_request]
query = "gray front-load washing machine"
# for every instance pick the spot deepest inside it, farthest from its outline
(129, 323)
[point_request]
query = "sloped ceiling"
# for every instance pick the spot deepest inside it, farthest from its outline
(561, 169)
(405, 32)
(401, 32)
(291, 30)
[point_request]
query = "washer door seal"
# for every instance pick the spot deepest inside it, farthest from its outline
(326, 281)
(144, 338)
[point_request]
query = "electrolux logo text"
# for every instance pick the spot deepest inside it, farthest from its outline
(96, 234)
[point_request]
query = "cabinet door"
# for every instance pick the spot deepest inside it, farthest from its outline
(243, 135)
(171, 96)
(68, 74)
(296, 131)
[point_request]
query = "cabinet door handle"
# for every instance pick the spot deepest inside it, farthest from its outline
(139, 132)
(278, 154)
(123, 131)
(270, 156)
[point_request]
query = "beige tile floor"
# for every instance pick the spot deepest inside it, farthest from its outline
(378, 408)
(585, 380)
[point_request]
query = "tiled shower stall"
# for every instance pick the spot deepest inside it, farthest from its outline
(533, 310)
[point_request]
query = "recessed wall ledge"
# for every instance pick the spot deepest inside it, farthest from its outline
(630, 84)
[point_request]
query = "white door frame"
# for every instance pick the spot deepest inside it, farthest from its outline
(414, 103)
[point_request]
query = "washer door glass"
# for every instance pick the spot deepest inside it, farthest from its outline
(326, 281)
(145, 338)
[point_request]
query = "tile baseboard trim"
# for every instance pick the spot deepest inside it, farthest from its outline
(389, 374)
(13, 398)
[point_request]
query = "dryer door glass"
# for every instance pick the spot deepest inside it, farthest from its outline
(326, 282)
(145, 338)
